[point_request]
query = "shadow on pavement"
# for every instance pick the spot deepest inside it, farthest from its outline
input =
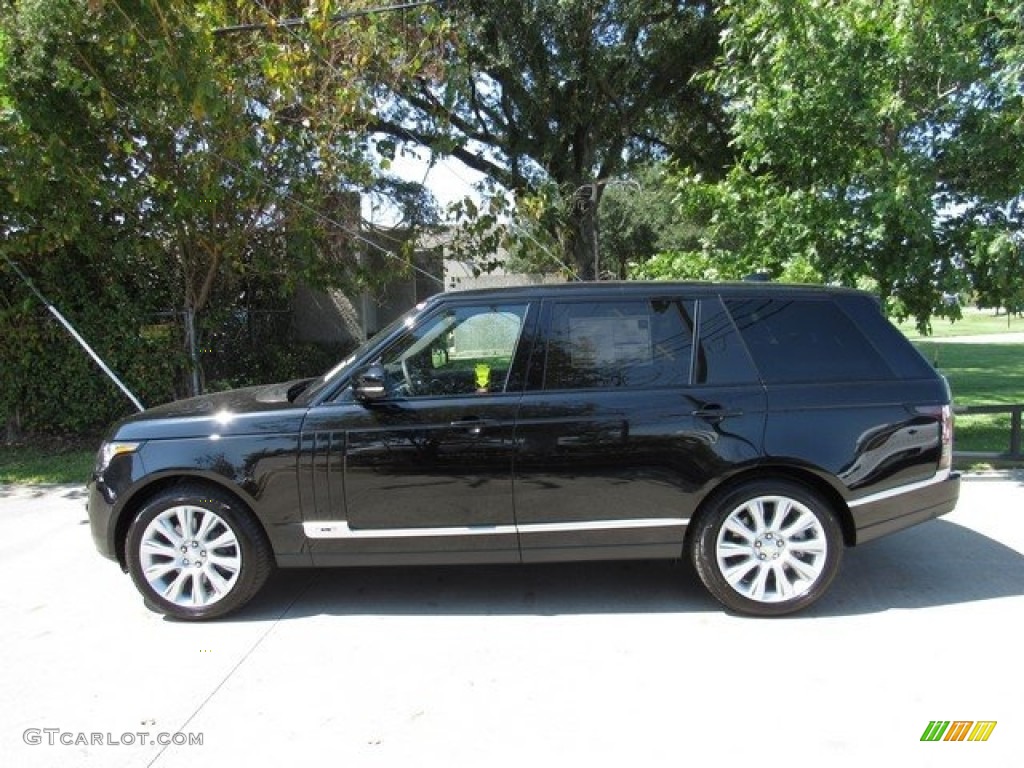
(541, 590)
(932, 565)
(73, 492)
(936, 564)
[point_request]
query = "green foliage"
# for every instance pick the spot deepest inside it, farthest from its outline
(868, 134)
(47, 383)
(639, 218)
(555, 99)
(172, 165)
(997, 267)
(518, 234)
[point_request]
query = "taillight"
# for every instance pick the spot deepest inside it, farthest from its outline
(944, 413)
(946, 459)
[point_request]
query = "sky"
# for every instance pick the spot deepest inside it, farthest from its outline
(447, 178)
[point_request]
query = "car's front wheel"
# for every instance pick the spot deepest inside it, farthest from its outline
(767, 548)
(195, 553)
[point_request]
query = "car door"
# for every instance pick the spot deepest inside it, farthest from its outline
(425, 473)
(629, 416)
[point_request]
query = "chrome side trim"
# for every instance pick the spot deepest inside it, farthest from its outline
(340, 529)
(938, 477)
(604, 525)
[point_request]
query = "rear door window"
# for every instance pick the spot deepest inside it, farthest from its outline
(721, 357)
(795, 340)
(618, 343)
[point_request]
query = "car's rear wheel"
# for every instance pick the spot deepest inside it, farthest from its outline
(767, 548)
(195, 552)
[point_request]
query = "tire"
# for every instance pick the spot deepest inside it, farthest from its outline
(213, 571)
(767, 547)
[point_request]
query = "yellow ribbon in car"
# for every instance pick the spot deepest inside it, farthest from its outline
(483, 375)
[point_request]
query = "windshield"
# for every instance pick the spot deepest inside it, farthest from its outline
(328, 379)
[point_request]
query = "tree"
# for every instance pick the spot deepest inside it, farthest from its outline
(61, 217)
(874, 137)
(986, 168)
(639, 218)
(554, 99)
(216, 157)
(996, 268)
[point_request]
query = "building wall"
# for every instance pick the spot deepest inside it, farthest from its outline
(334, 317)
(458, 276)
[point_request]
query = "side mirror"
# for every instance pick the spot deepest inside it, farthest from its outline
(369, 384)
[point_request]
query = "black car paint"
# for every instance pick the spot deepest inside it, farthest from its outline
(515, 461)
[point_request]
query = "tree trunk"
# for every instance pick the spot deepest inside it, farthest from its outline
(195, 386)
(580, 255)
(13, 426)
(581, 251)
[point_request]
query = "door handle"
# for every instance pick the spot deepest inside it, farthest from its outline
(715, 413)
(472, 425)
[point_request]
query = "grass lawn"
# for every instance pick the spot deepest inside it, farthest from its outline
(46, 462)
(975, 322)
(990, 373)
(981, 374)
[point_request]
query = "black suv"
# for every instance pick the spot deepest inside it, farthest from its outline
(756, 429)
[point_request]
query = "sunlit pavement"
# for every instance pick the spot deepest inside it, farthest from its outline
(596, 664)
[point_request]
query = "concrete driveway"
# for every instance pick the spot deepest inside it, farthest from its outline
(599, 664)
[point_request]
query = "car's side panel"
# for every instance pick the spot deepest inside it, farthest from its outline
(891, 511)
(619, 474)
(259, 469)
(615, 469)
(410, 481)
(869, 435)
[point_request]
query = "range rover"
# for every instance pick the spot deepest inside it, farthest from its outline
(755, 429)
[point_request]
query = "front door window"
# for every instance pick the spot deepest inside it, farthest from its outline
(462, 351)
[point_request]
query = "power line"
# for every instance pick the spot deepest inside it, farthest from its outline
(408, 135)
(253, 175)
(333, 19)
(333, 70)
